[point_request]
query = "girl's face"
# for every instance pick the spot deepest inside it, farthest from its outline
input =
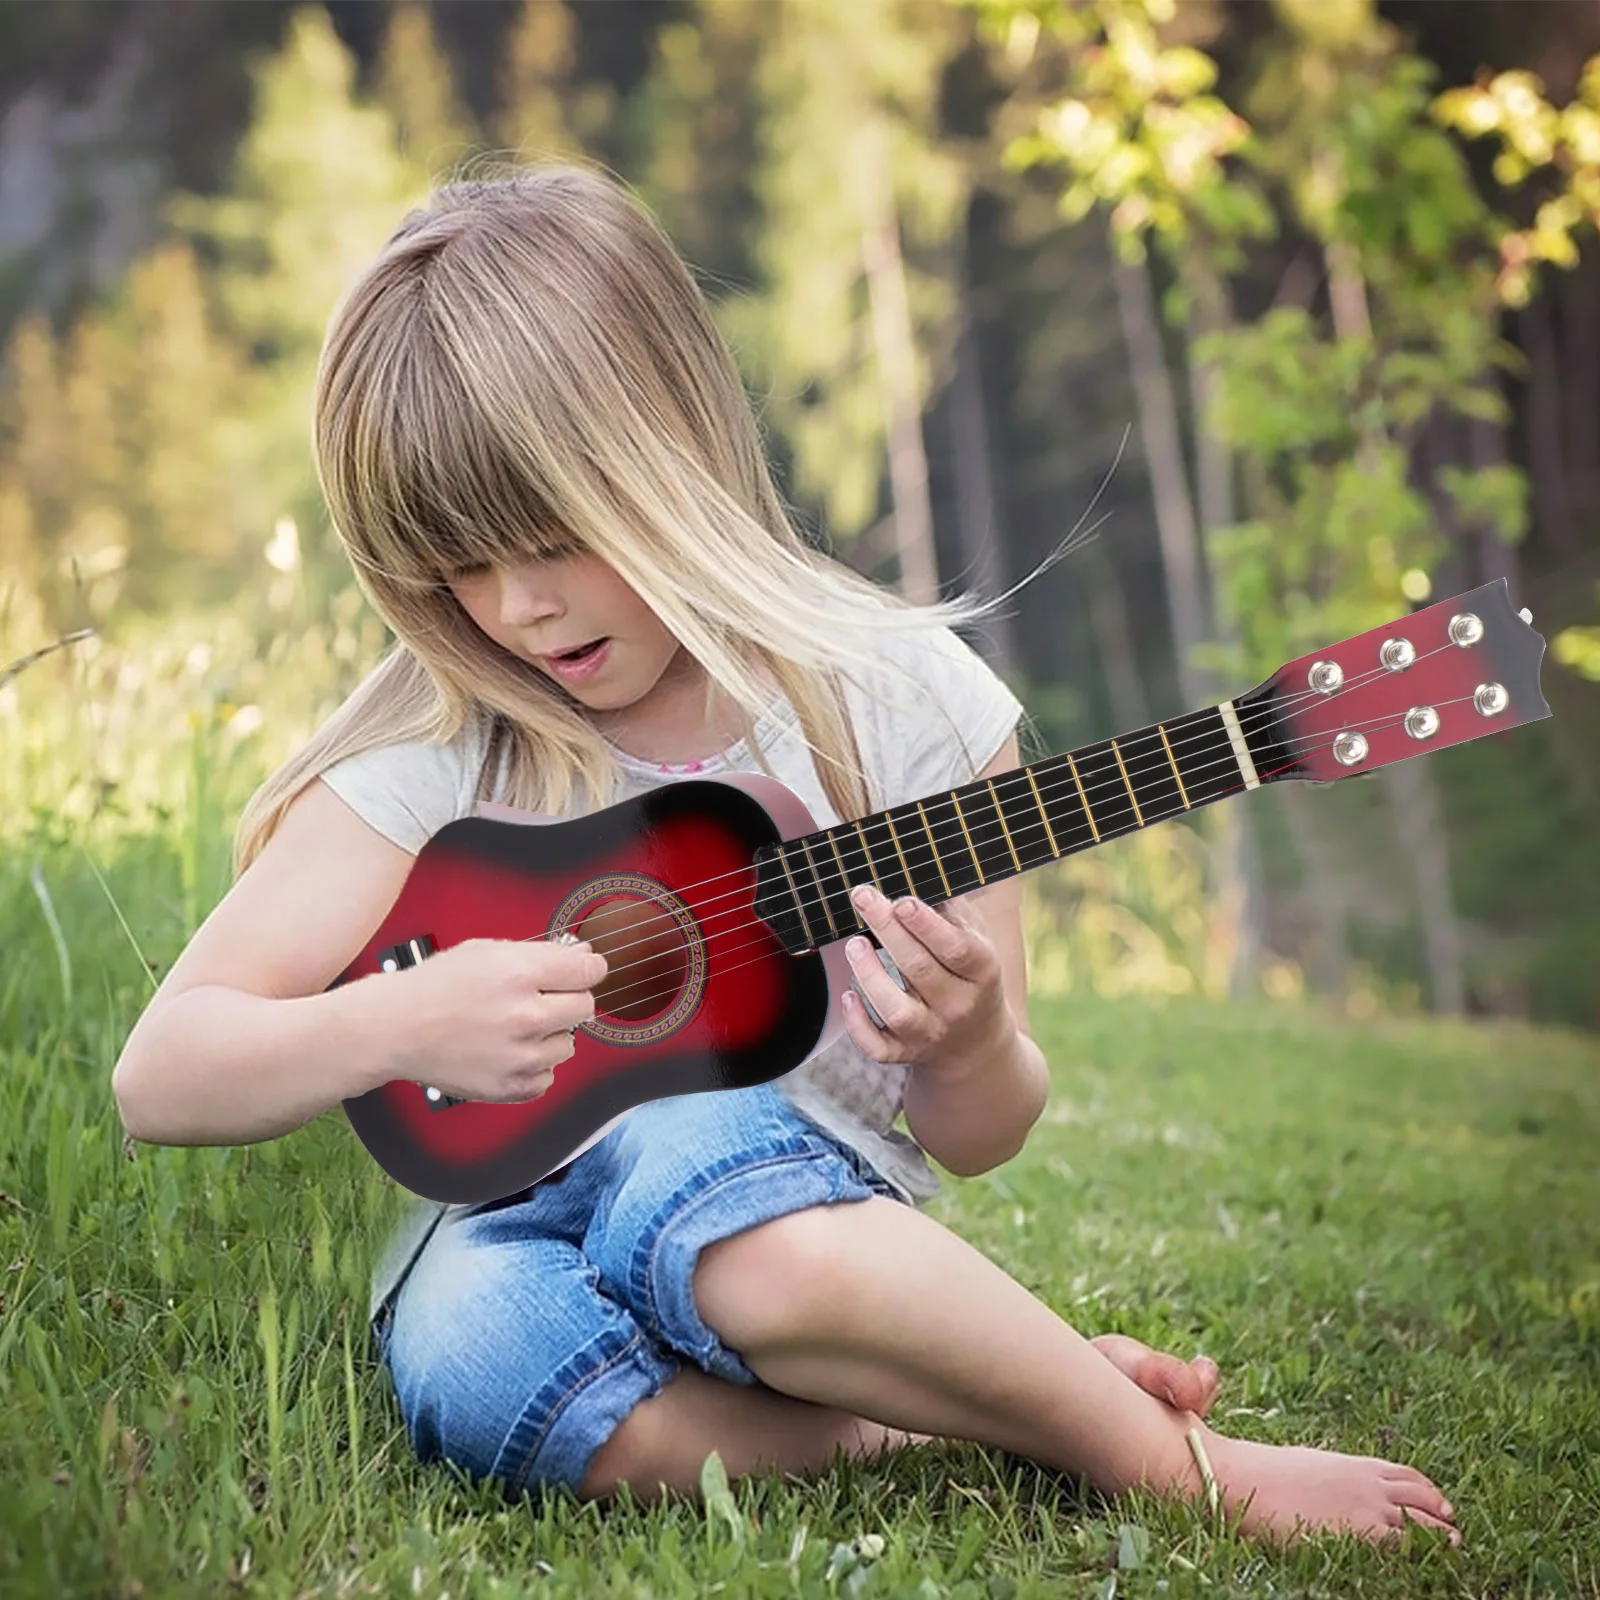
(538, 609)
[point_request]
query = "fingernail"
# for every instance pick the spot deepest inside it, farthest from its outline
(858, 947)
(1449, 1510)
(907, 908)
(864, 895)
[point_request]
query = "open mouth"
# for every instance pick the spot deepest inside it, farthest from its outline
(582, 653)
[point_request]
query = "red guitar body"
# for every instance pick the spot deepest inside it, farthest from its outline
(705, 998)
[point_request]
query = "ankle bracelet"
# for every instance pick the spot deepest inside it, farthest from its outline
(1198, 1450)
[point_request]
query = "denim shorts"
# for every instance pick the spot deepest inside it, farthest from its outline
(527, 1328)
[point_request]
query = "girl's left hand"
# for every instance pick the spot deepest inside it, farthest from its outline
(953, 1008)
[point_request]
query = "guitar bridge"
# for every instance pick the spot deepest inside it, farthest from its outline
(396, 958)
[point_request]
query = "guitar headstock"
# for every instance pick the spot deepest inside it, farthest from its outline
(1453, 671)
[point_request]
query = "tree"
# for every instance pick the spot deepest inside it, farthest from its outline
(546, 112)
(318, 184)
(854, 190)
(417, 87)
(1139, 135)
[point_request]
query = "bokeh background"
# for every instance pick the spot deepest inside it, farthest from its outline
(1329, 268)
(1296, 303)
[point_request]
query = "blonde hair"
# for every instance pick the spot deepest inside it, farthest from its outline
(527, 369)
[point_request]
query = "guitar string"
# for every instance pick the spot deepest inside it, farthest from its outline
(766, 939)
(1032, 828)
(987, 833)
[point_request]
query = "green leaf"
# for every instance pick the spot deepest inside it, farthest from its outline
(1133, 1546)
(719, 1497)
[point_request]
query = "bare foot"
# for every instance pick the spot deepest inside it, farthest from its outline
(1188, 1385)
(1287, 1491)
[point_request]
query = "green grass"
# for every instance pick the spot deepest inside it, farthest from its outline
(1388, 1235)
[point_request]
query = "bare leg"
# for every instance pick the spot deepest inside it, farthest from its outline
(876, 1309)
(663, 1442)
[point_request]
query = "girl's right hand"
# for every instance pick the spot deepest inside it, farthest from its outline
(489, 1019)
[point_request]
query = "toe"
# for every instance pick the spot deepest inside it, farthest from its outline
(1409, 1513)
(1408, 1477)
(1174, 1381)
(1422, 1496)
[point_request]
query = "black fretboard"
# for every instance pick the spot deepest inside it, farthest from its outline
(949, 844)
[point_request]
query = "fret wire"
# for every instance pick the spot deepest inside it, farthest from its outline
(1055, 846)
(935, 849)
(799, 903)
(1222, 754)
(1038, 800)
(1137, 813)
(999, 811)
(844, 877)
(833, 927)
(1094, 827)
(1183, 793)
(866, 850)
(956, 800)
(911, 883)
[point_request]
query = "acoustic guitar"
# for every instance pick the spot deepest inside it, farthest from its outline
(722, 909)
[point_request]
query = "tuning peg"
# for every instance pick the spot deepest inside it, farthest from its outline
(1525, 614)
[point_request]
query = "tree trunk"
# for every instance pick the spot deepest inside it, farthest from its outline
(1238, 857)
(1108, 616)
(1486, 446)
(1580, 314)
(977, 520)
(1419, 821)
(1163, 452)
(1412, 794)
(1327, 963)
(1545, 454)
(896, 347)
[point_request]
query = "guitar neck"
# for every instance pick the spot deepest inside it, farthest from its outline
(949, 844)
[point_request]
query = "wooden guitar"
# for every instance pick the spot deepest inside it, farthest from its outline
(722, 909)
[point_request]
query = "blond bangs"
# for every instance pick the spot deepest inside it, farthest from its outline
(528, 370)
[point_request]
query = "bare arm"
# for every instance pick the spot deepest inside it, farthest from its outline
(240, 1043)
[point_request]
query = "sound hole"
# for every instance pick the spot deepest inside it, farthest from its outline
(645, 953)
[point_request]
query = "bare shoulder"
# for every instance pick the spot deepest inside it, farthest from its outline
(301, 910)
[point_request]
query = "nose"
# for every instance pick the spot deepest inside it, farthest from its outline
(526, 597)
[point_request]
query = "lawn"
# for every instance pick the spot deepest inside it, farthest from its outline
(1388, 1235)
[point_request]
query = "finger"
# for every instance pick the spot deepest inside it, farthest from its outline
(569, 967)
(571, 1007)
(868, 1037)
(923, 945)
(897, 1007)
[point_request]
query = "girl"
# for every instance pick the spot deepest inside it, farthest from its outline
(532, 438)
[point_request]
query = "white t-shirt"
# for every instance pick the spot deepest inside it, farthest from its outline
(407, 792)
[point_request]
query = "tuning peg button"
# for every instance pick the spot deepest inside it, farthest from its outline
(1422, 722)
(1491, 699)
(1350, 748)
(1397, 654)
(1525, 614)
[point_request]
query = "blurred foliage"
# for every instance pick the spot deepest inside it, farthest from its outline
(848, 99)
(1536, 137)
(1323, 411)
(156, 481)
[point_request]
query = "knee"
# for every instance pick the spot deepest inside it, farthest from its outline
(765, 1285)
